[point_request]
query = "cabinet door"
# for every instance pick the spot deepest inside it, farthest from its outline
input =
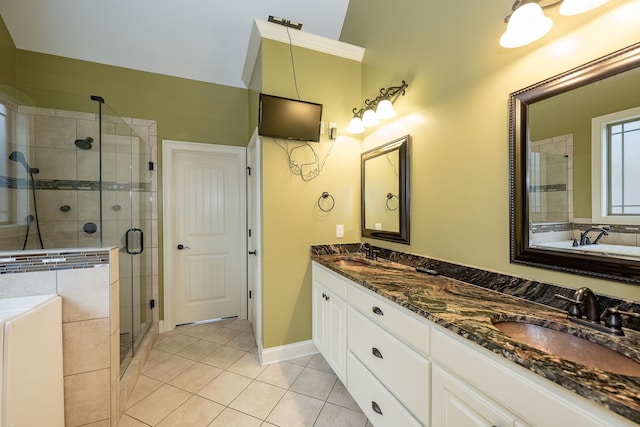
(319, 315)
(457, 404)
(330, 328)
(337, 335)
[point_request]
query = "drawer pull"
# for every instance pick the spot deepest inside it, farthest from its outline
(376, 408)
(377, 311)
(376, 353)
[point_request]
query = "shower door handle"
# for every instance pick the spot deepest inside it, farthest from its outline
(128, 241)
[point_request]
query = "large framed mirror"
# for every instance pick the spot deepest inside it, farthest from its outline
(575, 170)
(385, 191)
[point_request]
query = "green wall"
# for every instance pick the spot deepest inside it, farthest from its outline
(7, 56)
(185, 109)
(292, 221)
(456, 109)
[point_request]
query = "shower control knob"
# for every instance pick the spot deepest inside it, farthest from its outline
(181, 247)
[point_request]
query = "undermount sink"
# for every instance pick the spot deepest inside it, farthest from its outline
(569, 347)
(352, 262)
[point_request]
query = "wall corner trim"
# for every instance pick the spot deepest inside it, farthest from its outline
(268, 30)
(286, 352)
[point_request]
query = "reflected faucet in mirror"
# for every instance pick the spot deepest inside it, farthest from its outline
(586, 240)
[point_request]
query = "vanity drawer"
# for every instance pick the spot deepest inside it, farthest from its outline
(330, 280)
(392, 318)
(380, 407)
(404, 372)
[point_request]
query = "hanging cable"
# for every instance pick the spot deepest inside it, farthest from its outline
(293, 66)
(307, 170)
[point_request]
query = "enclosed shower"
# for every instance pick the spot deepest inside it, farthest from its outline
(74, 174)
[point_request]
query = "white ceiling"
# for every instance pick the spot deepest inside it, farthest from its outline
(202, 40)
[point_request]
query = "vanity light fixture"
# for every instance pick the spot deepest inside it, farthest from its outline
(380, 108)
(527, 22)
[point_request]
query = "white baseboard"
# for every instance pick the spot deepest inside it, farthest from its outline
(286, 352)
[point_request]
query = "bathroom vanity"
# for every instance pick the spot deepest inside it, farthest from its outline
(418, 349)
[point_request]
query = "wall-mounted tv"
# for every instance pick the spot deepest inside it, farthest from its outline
(289, 118)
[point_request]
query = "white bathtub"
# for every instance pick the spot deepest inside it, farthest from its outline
(602, 249)
(31, 362)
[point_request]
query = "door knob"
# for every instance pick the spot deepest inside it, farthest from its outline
(181, 247)
(253, 253)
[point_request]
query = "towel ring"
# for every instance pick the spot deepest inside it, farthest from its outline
(389, 198)
(326, 195)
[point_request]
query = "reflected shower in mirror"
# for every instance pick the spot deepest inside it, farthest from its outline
(385, 192)
(575, 168)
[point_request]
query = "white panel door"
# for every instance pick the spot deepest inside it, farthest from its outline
(208, 232)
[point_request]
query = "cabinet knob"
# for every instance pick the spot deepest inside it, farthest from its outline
(377, 311)
(376, 408)
(376, 353)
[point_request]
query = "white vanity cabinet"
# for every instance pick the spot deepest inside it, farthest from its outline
(329, 318)
(473, 385)
(404, 370)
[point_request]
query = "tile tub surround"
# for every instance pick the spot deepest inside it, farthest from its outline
(87, 281)
(466, 309)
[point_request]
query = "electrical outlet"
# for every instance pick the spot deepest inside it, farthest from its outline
(339, 230)
(378, 226)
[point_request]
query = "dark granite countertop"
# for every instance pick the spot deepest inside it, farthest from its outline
(468, 310)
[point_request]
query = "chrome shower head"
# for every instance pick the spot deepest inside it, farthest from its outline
(84, 144)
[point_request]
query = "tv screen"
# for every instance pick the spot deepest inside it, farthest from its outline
(289, 118)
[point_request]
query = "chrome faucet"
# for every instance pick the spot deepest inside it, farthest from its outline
(585, 240)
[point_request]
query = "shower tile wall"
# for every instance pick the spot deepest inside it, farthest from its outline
(69, 177)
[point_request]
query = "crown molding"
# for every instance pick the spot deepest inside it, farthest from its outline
(268, 30)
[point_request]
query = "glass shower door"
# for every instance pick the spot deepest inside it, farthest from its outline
(126, 224)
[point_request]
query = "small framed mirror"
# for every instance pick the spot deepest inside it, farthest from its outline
(385, 192)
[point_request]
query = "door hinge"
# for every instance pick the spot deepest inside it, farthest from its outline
(152, 304)
(151, 166)
(249, 232)
(249, 170)
(249, 294)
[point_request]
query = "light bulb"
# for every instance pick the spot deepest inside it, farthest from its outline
(355, 125)
(385, 110)
(369, 118)
(526, 25)
(575, 7)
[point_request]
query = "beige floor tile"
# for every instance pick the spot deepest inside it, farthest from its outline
(281, 374)
(224, 388)
(222, 335)
(318, 363)
(175, 343)
(144, 387)
(296, 410)
(314, 383)
(195, 412)
(127, 421)
(340, 396)
(158, 404)
(334, 415)
(245, 341)
(199, 350)
(231, 418)
(239, 324)
(258, 399)
(223, 357)
(202, 330)
(167, 368)
(195, 377)
(302, 361)
(248, 365)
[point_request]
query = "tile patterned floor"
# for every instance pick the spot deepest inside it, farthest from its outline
(208, 375)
